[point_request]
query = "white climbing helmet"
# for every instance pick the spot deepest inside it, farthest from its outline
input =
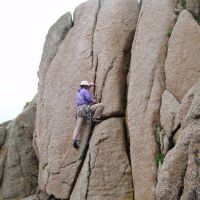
(84, 83)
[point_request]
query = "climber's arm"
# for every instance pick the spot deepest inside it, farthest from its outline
(88, 97)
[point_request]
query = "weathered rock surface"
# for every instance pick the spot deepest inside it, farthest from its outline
(179, 175)
(182, 64)
(193, 7)
(18, 163)
(82, 56)
(2, 135)
(146, 85)
(54, 38)
(169, 108)
(115, 25)
(182, 112)
(156, 153)
(55, 121)
(106, 173)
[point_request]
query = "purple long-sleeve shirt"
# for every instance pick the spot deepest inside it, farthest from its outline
(83, 96)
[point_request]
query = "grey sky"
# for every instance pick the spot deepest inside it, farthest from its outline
(24, 25)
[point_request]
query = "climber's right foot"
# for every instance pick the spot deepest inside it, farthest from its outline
(75, 144)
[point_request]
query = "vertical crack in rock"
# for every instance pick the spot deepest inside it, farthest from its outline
(173, 132)
(66, 70)
(178, 176)
(146, 75)
(82, 162)
(94, 66)
(95, 58)
(109, 66)
(88, 176)
(53, 42)
(127, 147)
(96, 177)
(178, 61)
(95, 74)
(105, 77)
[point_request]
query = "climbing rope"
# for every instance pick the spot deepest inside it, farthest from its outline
(65, 158)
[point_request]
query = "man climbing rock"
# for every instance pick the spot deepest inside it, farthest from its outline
(87, 109)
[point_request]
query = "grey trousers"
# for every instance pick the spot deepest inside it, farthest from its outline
(96, 110)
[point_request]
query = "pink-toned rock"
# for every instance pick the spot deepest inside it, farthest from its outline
(169, 107)
(192, 179)
(182, 111)
(115, 30)
(171, 173)
(146, 85)
(106, 173)
(2, 135)
(81, 56)
(193, 7)
(54, 38)
(56, 107)
(178, 177)
(182, 63)
(18, 162)
(3, 149)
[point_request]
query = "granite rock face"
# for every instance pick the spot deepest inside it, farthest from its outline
(97, 48)
(168, 110)
(144, 60)
(146, 85)
(18, 162)
(179, 175)
(182, 63)
(106, 173)
(193, 7)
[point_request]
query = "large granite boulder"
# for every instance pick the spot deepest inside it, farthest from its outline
(97, 48)
(168, 110)
(179, 175)
(182, 63)
(146, 85)
(18, 162)
(106, 173)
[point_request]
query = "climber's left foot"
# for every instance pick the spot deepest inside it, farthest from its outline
(75, 144)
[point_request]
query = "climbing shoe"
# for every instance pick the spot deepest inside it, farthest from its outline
(75, 144)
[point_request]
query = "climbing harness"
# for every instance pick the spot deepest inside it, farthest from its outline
(85, 111)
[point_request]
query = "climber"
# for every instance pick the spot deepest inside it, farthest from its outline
(87, 109)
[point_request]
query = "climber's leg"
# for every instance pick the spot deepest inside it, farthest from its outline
(77, 131)
(97, 110)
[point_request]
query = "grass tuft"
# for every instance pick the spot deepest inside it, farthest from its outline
(183, 3)
(159, 159)
(169, 32)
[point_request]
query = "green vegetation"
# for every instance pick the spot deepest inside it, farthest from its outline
(159, 159)
(197, 19)
(183, 3)
(169, 32)
(127, 67)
